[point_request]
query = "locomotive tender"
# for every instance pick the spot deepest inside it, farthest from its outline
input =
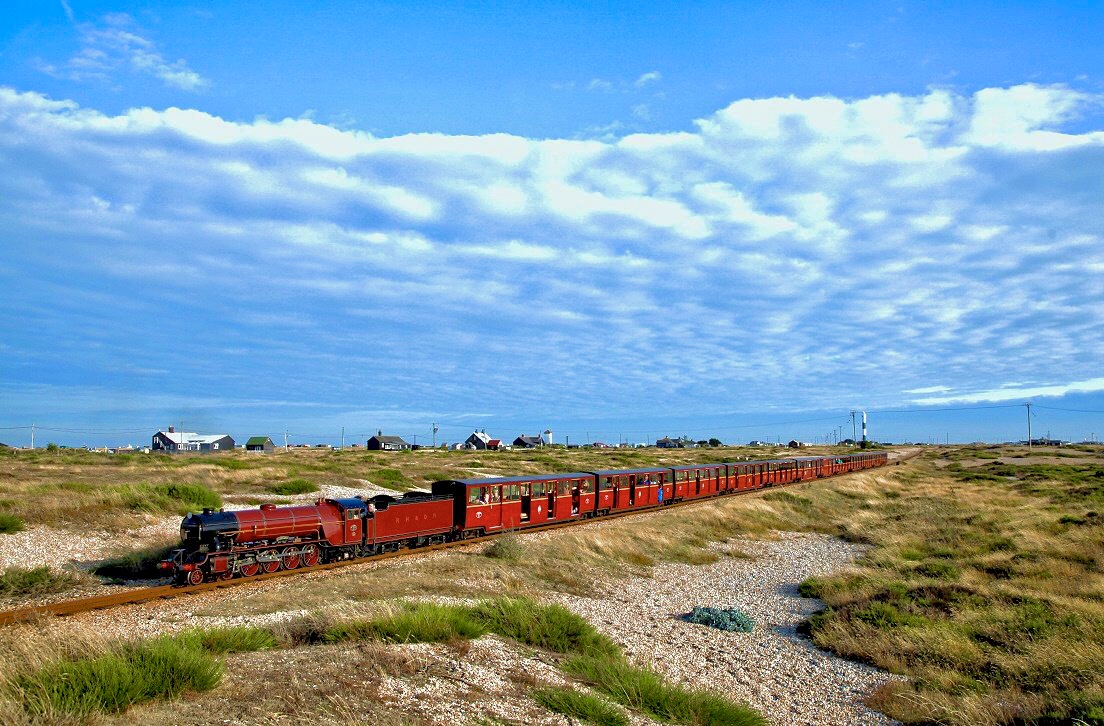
(223, 545)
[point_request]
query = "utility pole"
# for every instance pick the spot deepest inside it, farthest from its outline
(1028, 405)
(435, 430)
(342, 437)
(285, 440)
(854, 433)
(32, 436)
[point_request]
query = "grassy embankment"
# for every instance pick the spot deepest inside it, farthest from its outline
(81, 680)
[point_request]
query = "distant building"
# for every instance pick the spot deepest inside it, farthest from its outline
(478, 440)
(260, 443)
(174, 441)
(379, 442)
(600, 445)
(795, 444)
(666, 443)
(757, 442)
(528, 442)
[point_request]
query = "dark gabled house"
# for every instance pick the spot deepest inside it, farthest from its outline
(666, 443)
(260, 443)
(379, 442)
(528, 442)
(175, 441)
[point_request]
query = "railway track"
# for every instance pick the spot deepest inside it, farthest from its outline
(169, 592)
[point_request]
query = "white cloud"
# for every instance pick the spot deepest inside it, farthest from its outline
(1015, 392)
(116, 45)
(647, 78)
(786, 251)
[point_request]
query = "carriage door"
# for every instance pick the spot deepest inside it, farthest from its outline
(353, 531)
(632, 489)
(552, 486)
(575, 485)
(526, 502)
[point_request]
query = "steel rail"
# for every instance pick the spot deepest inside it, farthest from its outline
(169, 592)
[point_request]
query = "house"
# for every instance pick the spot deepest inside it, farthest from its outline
(528, 442)
(495, 444)
(600, 445)
(174, 441)
(686, 443)
(795, 444)
(379, 442)
(478, 440)
(757, 442)
(260, 443)
(666, 443)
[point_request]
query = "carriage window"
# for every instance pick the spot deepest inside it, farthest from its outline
(606, 483)
(565, 487)
(510, 492)
(473, 495)
(586, 486)
(660, 478)
(351, 514)
(539, 489)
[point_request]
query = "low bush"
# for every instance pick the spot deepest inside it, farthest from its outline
(24, 582)
(294, 486)
(391, 479)
(585, 707)
(10, 524)
(644, 690)
(168, 498)
(731, 619)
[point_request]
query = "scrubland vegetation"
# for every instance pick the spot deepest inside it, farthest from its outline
(79, 680)
(984, 582)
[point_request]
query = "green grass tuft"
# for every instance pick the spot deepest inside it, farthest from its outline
(294, 486)
(24, 582)
(585, 707)
(241, 639)
(138, 564)
(552, 627)
(416, 623)
(10, 524)
(161, 668)
(506, 547)
(731, 619)
(644, 690)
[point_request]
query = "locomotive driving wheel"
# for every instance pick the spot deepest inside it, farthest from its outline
(290, 558)
(195, 577)
(311, 555)
(251, 569)
(226, 575)
(270, 565)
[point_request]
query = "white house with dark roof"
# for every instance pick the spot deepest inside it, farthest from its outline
(174, 441)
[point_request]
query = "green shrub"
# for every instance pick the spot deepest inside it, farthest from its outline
(641, 689)
(731, 619)
(22, 581)
(506, 547)
(391, 479)
(938, 570)
(813, 587)
(294, 486)
(161, 668)
(10, 524)
(138, 564)
(585, 707)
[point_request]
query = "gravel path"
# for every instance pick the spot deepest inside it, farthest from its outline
(772, 669)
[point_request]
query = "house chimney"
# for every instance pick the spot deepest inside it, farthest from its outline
(172, 430)
(379, 432)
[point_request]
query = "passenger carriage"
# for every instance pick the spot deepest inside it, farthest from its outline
(691, 482)
(492, 505)
(621, 489)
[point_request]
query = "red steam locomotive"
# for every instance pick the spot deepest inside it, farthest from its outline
(222, 545)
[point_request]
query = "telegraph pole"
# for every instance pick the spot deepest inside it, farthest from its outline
(435, 430)
(854, 432)
(285, 440)
(32, 436)
(1028, 405)
(342, 437)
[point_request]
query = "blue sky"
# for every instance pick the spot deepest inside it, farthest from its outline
(741, 219)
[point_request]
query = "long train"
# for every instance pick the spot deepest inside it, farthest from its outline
(223, 545)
